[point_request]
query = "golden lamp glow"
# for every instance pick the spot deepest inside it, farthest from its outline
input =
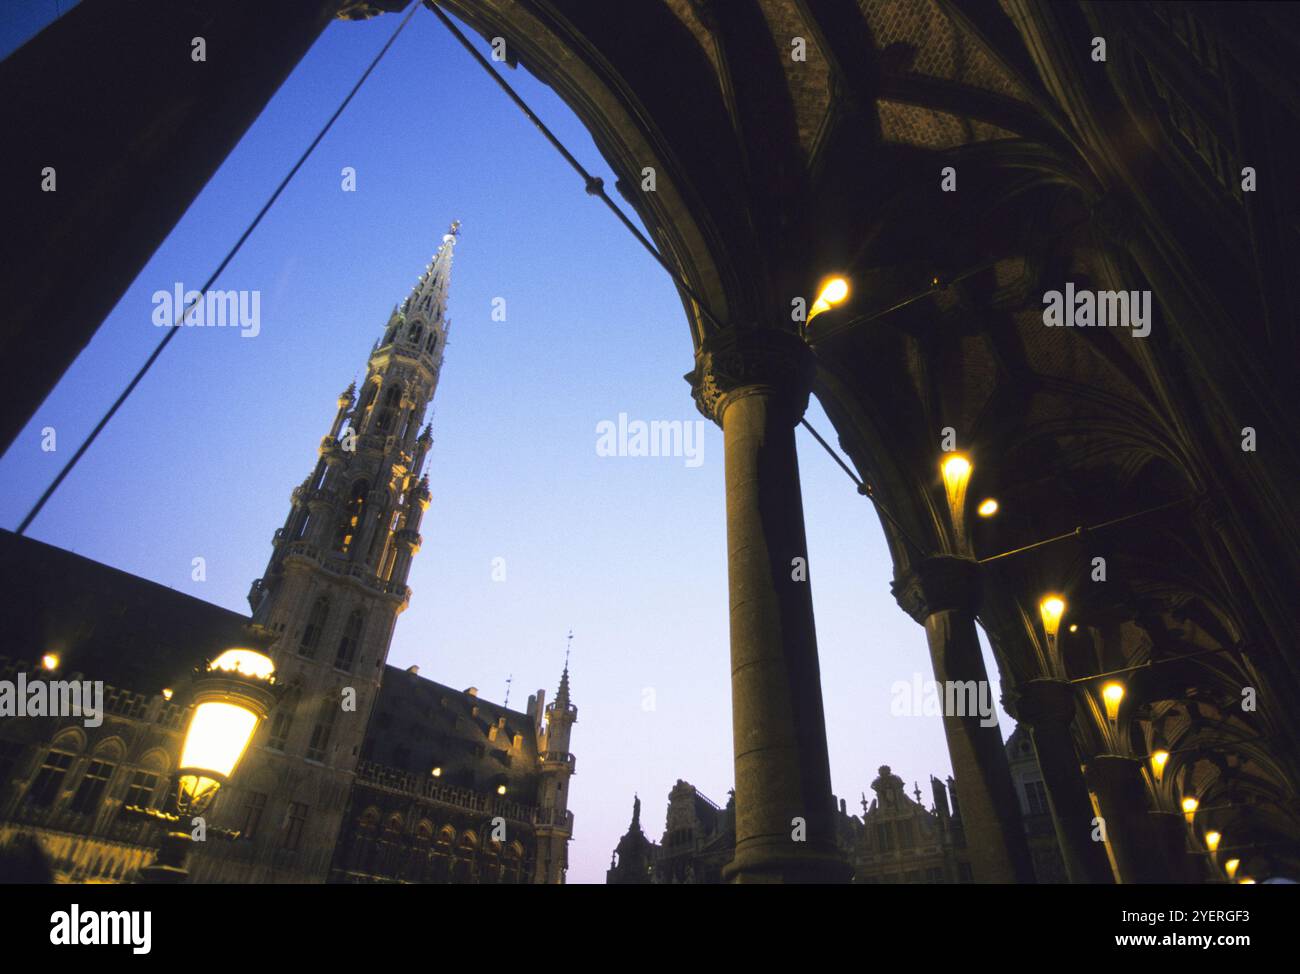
(1074, 627)
(988, 507)
(1190, 805)
(246, 661)
(217, 736)
(1158, 761)
(1212, 840)
(1051, 609)
(833, 292)
(436, 772)
(956, 473)
(167, 693)
(956, 470)
(1230, 867)
(1113, 694)
(50, 661)
(1245, 881)
(501, 789)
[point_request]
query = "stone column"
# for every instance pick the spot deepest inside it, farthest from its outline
(1047, 708)
(942, 593)
(1177, 863)
(755, 384)
(1116, 782)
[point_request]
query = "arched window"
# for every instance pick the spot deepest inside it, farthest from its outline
(513, 862)
(282, 718)
(392, 402)
(465, 868)
(347, 654)
(368, 396)
(311, 632)
(351, 518)
(442, 855)
(433, 343)
(416, 334)
(320, 733)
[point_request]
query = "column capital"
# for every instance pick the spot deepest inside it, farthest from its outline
(1042, 702)
(1111, 770)
(740, 362)
(938, 584)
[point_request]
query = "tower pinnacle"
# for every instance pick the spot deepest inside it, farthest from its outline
(427, 302)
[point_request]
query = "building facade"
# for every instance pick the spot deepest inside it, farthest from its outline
(897, 839)
(344, 781)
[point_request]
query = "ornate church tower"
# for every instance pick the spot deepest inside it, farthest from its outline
(332, 592)
(554, 820)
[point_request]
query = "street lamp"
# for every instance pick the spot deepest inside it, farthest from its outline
(1051, 609)
(1158, 761)
(833, 292)
(231, 697)
(956, 470)
(1112, 694)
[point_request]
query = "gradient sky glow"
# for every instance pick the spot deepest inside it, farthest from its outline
(629, 552)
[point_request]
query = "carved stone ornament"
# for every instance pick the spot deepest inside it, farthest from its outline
(741, 362)
(939, 584)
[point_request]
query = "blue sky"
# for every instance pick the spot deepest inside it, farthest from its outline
(629, 552)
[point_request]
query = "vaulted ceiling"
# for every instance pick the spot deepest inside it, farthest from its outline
(793, 139)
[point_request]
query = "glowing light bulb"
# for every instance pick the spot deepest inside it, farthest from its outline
(833, 292)
(501, 789)
(1212, 840)
(956, 469)
(1230, 867)
(50, 661)
(1158, 761)
(1113, 695)
(1074, 627)
(436, 772)
(1051, 609)
(1190, 805)
(988, 507)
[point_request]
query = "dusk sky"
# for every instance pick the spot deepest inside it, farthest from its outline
(629, 552)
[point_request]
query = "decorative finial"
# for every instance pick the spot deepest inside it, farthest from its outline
(455, 228)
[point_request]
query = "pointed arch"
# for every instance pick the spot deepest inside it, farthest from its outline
(350, 520)
(315, 625)
(346, 656)
(392, 402)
